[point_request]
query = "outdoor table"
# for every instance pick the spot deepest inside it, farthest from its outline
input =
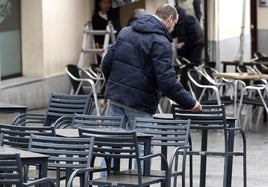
(236, 63)
(29, 158)
(145, 138)
(227, 178)
(11, 108)
(241, 76)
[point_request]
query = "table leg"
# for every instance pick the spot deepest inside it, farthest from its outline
(228, 171)
(147, 151)
(203, 159)
(43, 170)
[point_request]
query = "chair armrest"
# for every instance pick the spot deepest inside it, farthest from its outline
(24, 118)
(77, 172)
(174, 153)
(63, 122)
(40, 181)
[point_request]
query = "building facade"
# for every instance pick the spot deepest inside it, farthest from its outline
(48, 35)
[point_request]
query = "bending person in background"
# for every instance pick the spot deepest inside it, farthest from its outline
(138, 70)
(190, 41)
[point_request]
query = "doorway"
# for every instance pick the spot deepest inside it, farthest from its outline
(253, 27)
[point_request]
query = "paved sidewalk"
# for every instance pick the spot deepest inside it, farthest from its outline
(257, 159)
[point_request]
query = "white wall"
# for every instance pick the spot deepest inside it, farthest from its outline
(52, 34)
(227, 28)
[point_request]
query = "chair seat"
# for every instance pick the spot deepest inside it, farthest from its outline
(254, 101)
(125, 180)
(153, 173)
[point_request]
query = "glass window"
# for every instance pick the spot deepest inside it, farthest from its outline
(10, 39)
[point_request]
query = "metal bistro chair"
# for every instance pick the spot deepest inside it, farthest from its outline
(253, 94)
(122, 145)
(86, 81)
(168, 135)
(19, 136)
(81, 120)
(65, 155)
(212, 117)
(204, 91)
(59, 105)
(11, 172)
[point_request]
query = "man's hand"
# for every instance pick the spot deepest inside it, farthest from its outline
(197, 107)
(180, 45)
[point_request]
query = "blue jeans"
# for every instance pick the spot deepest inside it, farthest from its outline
(129, 117)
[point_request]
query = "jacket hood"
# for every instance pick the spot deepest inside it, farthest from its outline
(150, 24)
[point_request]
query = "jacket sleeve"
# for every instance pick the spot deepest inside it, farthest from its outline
(166, 76)
(108, 61)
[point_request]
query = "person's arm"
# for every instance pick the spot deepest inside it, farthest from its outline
(166, 77)
(197, 9)
(107, 61)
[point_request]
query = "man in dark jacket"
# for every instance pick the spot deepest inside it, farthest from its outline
(138, 68)
(190, 42)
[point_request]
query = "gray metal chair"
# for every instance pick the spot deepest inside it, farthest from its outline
(86, 81)
(120, 145)
(11, 172)
(203, 90)
(168, 134)
(59, 105)
(19, 136)
(213, 117)
(91, 121)
(66, 155)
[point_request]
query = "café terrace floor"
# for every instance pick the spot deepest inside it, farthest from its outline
(257, 159)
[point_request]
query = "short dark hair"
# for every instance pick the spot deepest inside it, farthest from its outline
(166, 10)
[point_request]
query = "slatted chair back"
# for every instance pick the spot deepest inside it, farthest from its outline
(65, 153)
(67, 105)
(118, 145)
(59, 105)
(18, 136)
(91, 121)
(11, 172)
(168, 135)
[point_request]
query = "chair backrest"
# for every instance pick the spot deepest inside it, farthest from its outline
(165, 132)
(18, 136)
(73, 74)
(10, 170)
(199, 86)
(113, 144)
(81, 120)
(211, 116)
(64, 152)
(67, 105)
